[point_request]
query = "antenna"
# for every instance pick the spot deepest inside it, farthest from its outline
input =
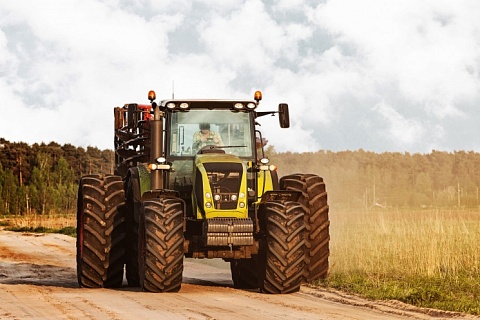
(173, 89)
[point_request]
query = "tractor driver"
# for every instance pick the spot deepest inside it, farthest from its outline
(206, 137)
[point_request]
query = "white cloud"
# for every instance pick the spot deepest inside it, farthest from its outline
(400, 130)
(235, 41)
(429, 48)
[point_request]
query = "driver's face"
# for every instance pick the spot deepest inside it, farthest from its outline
(205, 131)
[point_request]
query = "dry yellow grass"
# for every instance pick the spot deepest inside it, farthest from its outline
(36, 221)
(433, 243)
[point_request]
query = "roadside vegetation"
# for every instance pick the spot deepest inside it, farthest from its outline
(428, 258)
(63, 224)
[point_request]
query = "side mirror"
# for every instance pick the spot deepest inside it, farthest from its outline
(284, 116)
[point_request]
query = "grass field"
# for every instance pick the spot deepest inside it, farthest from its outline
(60, 223)
(429, 258)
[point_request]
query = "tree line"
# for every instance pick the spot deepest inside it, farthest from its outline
(362, 179)
(43, 178)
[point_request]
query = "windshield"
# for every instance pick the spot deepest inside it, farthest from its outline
(199, 128)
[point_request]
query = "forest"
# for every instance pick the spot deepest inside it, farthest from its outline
(42, 178)
(365, 180)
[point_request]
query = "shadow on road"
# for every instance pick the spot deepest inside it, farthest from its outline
(196, 273)
(34, 274)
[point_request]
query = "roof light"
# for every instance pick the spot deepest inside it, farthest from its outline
(151, 95)
(183, 105)
(238, 105)
(257, 96)
(251, 105)
(161, 160)
(170, 105)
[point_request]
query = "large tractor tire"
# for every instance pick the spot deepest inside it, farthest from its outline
(282, 247)
(161, 242)
(132, 206)
(100, 231)
(245, 273)
(314, 201)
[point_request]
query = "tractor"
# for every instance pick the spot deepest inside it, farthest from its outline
(191, 180)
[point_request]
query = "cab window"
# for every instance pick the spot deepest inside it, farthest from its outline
(194, 129)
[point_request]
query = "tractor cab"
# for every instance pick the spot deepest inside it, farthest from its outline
(210, 145)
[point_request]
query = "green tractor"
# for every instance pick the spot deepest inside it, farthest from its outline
(191, 180)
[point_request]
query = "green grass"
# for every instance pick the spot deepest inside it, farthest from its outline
(460, 294)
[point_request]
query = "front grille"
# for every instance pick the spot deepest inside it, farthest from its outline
(225, 180)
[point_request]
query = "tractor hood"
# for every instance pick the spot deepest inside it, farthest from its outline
(220, 186)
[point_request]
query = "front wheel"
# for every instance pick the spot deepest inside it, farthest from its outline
(282, 247)
(161, 242)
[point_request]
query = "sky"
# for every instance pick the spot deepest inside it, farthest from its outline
(377, 75)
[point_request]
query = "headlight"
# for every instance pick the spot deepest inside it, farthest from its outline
(242, 195)
(216, 197)
(264, 160)
(208, 205)
(234, 197)
(161, 160)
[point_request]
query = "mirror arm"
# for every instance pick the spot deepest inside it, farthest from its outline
(261, 114)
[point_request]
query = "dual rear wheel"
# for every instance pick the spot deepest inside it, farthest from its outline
(100, 231)
(257, 271)
(313, 199)
(109, 236)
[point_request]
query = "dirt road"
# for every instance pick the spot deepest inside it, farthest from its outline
(38, 281)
